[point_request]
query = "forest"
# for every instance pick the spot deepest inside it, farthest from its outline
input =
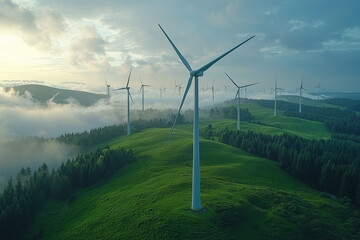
(23, 197)
(331, 166)
(337, 120)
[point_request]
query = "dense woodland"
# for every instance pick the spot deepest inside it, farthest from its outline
(337, 120)
(24, 196)
(230, 112)
(332, 166)
(89, 139)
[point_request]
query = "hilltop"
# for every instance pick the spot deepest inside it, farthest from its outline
(42, 94)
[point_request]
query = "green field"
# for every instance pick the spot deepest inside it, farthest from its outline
(268, 124)
(245, 197)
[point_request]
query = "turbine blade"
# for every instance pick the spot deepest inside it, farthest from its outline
(187, 65)
(129, 78)
(141, 88)
(231, 80)
(237, 93)
(207, 66)
(119, 89)
(131, 98)
(248, 85)
(182, 102)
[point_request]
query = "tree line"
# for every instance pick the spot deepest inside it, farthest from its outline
(332, 166)
(347, 103)
(23, 197)
(88, 139)
(337, 120)
(230, 112)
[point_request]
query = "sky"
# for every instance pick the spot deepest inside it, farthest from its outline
(81, 44)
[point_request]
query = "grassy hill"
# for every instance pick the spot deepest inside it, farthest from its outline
(265, 122)
(245, 197)
(42, 94)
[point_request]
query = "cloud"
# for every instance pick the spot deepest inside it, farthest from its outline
(88, 50)
(38, 27)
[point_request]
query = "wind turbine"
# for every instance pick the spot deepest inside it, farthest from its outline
(128, 101)
(212, 91)
(143, 88)
(196, 203)
(237, 96)
(107, 89)
(300, 89)
(225, 86)
(178, 86)
(276, 91)
(318, 88)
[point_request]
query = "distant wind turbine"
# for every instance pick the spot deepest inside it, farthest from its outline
(107, 89)
(318, 88)
(143, 88)
(225, 86)
(276, 92)
(128, 101)
(164, 89)
(213, 92)
(237, 96)
(196, 203)
(300, 89)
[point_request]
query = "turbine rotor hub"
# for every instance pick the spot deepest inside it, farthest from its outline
(197, 73)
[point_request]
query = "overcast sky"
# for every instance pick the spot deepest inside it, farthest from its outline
(79, 44)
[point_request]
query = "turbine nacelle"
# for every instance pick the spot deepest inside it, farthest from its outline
(196, 73)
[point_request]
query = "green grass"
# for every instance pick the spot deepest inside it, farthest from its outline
(245, 197)
(270, 124)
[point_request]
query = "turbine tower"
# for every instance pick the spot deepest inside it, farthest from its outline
(276, 92)
(107, 89)
(318, 88)
(143, 88)
(237, 96)
(196, 203)
(300, 89)
(128, 101)
(213, 91)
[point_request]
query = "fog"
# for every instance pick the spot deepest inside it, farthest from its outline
(25, 129)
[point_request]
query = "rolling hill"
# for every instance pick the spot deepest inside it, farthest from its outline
(42, 94)
(245, 197)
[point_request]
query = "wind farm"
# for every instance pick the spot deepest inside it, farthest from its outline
(253, 154)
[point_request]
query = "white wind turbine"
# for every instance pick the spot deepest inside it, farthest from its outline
(300, 89)
(318, 88)
(143, 88)
(128, 101)
(212, 92)
(276, 92)
(196, 203)
(107, 89)
(237, 96)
